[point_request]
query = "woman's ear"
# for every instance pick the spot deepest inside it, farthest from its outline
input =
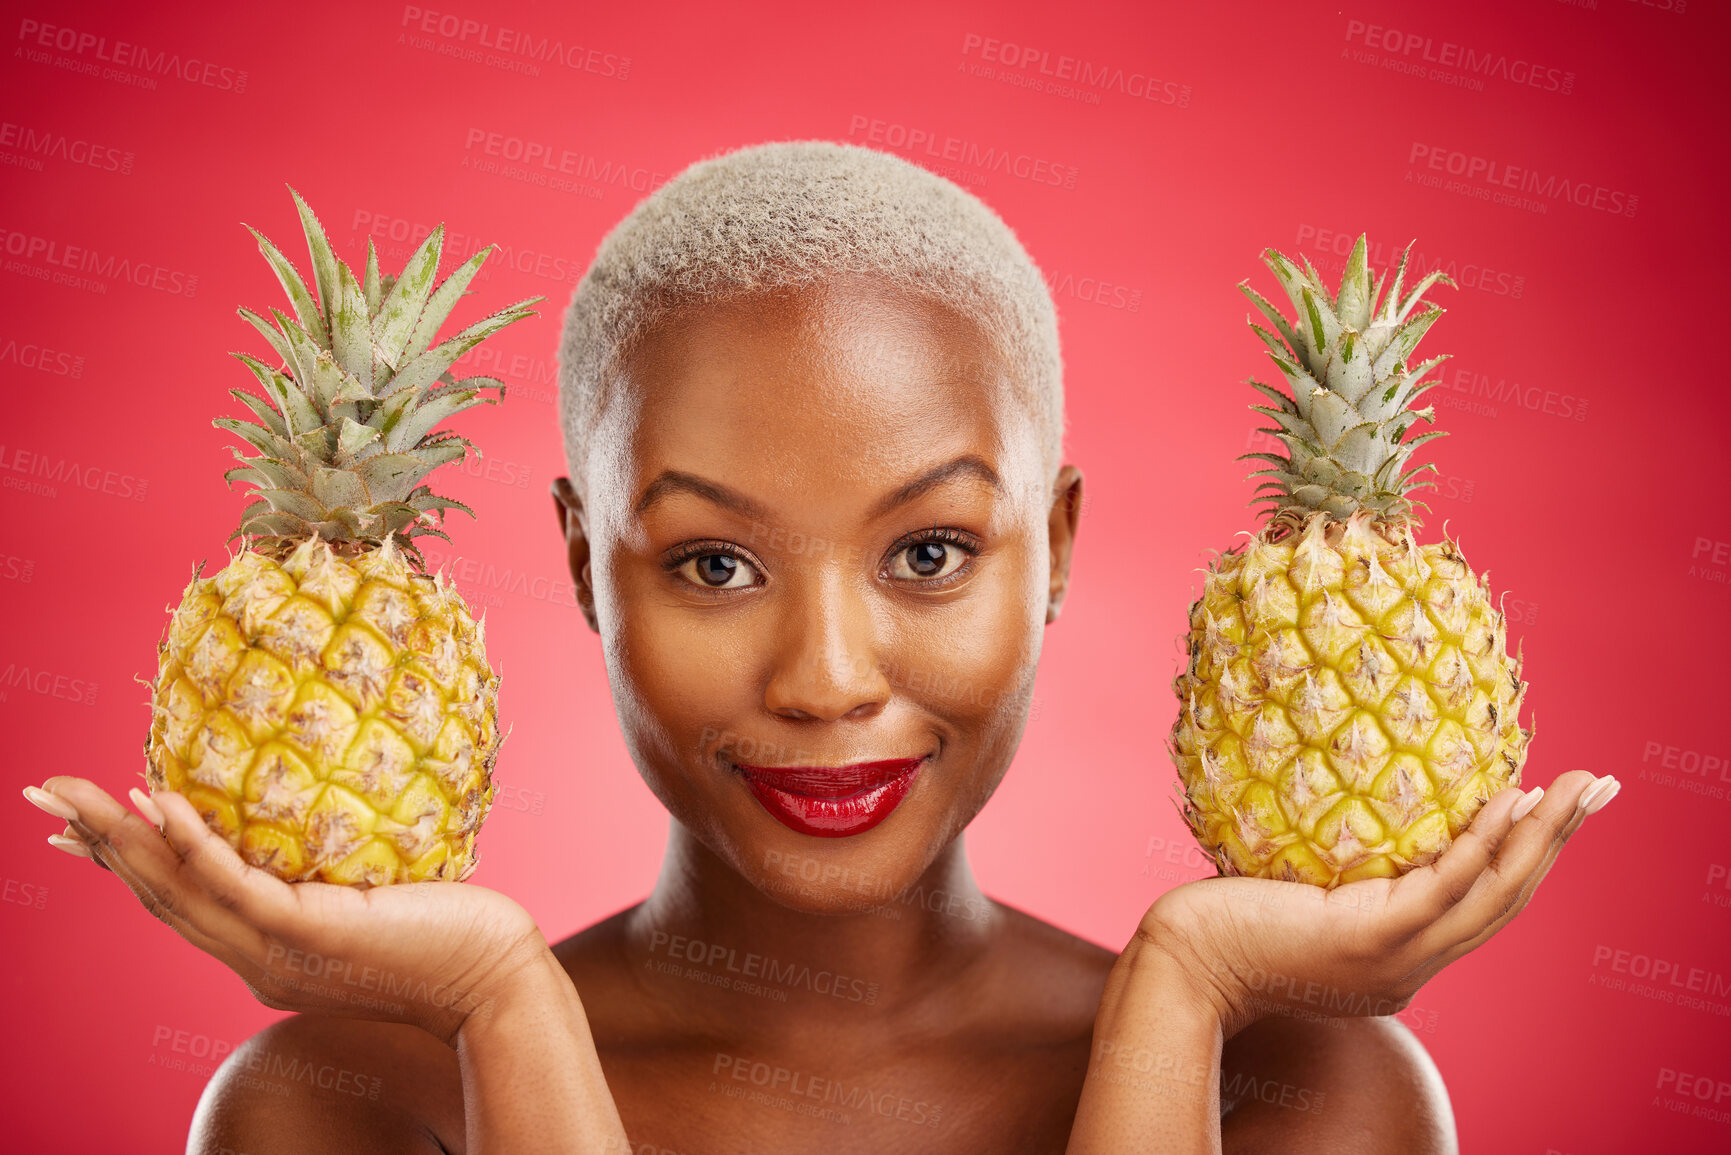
(574, 527)
(1061, 523)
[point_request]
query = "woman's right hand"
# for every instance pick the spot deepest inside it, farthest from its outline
(429, 954)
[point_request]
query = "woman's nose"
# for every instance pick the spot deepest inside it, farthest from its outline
(826, 664)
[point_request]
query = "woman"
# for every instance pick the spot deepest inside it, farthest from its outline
(813, 413)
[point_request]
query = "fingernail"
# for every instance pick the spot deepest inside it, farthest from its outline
(146, 806)
(71, 846)
(1602, 793)
(1595, 788)
(1525, 806)
(51, 803)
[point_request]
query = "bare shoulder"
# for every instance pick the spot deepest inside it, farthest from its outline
(598, 945)
(1046, 973)
(310, 1083)
(1048, 945)
(1344, 1086)
(596, 958)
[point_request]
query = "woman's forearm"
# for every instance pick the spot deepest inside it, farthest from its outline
(531, 1078)
(1154, 1074)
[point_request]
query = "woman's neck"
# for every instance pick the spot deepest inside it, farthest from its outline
(706, 921)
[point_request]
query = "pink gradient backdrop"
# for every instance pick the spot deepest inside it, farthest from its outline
(1586, 470)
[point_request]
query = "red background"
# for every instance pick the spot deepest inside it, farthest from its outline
(1586, 470)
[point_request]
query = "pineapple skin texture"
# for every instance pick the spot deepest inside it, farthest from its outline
(334, 718)
(1348, 705)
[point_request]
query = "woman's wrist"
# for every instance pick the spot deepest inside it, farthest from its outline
(532, 1080)
(525, 973)
(1154, 1072)
(1174, 957)
(1156, 988)
(536, 986)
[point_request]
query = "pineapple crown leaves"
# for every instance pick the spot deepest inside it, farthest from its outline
(347, 427)
(1350, 383)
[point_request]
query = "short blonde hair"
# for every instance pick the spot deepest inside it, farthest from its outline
(785, 216)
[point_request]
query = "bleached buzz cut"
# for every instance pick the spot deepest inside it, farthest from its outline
(786, 216)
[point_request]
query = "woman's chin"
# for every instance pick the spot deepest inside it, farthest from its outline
(818, 880)
(829, 901)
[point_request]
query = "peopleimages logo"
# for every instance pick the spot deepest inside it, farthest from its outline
(1032, 67)
(42, 359)
(1459, 64)
(39, 473)
(78, 266)
(461, 246)
(498, 470)
(28, 894)
(1093, 291)
(1710, 560)
(1702, 1096)
(1329, 248)
(926, 143)
(1470, 391)
(776, 972)
(487, 583)
(47, 684)
(526, 376)
(1718, 879)
(538, 155)
(1485, 178)
(28, 147)
(511, 49)
(86, 53)
(788, 1089)
(1660, 979)
(1686, 761)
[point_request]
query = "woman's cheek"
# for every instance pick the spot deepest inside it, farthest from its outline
(970, 662)
(662, 663)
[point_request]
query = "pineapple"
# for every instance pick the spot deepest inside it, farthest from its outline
(323, 703)
(1349, 702)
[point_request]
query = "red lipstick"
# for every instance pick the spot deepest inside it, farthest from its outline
(832, 801)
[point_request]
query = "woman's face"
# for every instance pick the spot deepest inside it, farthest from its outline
(820, 549)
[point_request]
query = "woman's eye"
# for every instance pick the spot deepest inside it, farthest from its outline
(927, 561)
(718, 571)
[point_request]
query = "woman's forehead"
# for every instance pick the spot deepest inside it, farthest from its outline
(860, 320)
(840, 353)
(849, 381)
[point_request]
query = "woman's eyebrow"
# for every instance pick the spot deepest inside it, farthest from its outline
(672, 481)
(967, 463)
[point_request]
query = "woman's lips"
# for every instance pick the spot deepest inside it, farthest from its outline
(832, 801)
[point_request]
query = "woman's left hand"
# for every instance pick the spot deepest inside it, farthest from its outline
(1212, 957)
(1257, 946)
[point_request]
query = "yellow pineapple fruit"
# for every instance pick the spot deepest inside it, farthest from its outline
(324, 703)
(1349, 702)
